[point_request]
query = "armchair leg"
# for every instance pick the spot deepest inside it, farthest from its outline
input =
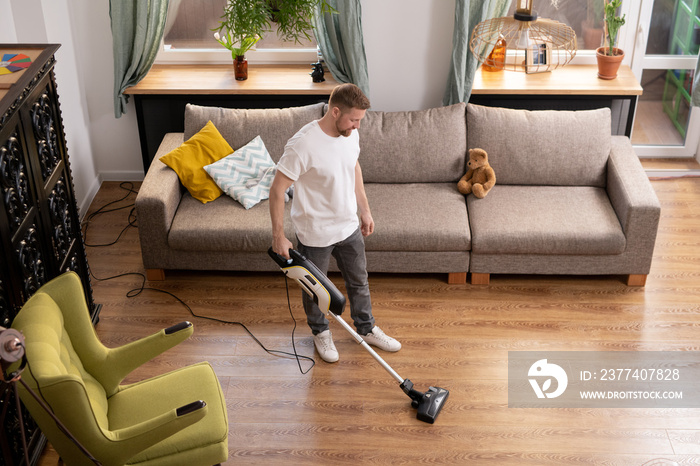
(636, 280)
(480, 278)
(457, 278)
(155, 275)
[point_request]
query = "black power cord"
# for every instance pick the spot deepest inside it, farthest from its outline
(131, 223)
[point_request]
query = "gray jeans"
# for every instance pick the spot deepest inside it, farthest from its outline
(349, 254)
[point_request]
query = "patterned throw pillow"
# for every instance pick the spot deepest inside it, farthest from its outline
(246, 175)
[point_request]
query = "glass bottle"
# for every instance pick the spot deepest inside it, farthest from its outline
(240, 67)
(496, 60)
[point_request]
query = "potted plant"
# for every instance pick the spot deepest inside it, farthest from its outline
(609, 56)
(244, 23)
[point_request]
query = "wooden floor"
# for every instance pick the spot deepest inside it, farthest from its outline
(453, 336)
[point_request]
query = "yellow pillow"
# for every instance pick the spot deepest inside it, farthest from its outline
(188, 160)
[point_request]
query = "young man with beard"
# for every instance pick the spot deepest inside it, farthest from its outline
(321, 160)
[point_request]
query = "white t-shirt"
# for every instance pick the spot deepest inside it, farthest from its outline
(324, 206)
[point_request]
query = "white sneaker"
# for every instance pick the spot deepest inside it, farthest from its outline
(381, 340)
(325, 347)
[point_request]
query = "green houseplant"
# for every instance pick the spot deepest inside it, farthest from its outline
(244, 22)
(609, 56)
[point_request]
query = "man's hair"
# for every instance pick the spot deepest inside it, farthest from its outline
(348, 96)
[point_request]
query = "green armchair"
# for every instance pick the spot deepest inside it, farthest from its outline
(153, 422)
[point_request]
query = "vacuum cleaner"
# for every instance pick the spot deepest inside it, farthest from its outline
(332, 302)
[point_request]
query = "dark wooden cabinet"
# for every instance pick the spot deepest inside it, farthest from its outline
(39, 221)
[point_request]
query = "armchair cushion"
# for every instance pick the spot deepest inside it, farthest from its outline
(144, 400)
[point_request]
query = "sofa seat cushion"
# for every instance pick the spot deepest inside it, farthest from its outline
(545, 220)
(223, 225)
(417, 217)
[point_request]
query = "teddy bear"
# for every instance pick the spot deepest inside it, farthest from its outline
(480, 177)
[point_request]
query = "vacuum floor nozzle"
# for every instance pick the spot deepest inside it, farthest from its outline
(428, 404)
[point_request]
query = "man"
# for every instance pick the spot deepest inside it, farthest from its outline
(321, 160)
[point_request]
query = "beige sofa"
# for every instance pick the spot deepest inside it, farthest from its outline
(569, 198)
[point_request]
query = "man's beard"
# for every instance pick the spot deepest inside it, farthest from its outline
(345, 133)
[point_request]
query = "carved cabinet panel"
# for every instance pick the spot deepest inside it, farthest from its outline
(39, 221)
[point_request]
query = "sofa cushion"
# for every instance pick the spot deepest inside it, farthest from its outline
(437, 223)
(417, 217)
(246, 175)
(544, 220)
(223, 225)
(188, 160)
(419, 146)
(545, 147)
(238, 126)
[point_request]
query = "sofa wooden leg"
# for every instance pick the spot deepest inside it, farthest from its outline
(155, 275)
(636, 280)
(457, 278)
(480, 278)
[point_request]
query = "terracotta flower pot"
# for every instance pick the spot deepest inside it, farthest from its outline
(607, 64)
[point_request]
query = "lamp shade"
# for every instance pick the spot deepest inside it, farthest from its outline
(531, 44)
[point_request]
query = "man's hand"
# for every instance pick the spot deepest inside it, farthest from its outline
(367, 226)
(282, 246)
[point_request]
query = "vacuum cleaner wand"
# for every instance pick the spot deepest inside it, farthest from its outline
(332, 302)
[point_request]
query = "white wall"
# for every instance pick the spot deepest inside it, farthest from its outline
(407, 42)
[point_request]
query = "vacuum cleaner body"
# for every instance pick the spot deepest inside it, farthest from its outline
(332, 302)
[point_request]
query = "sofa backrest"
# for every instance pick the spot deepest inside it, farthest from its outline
(240, 126)
(543, 147)
(414, 146)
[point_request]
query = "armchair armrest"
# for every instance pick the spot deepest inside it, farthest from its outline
(124, 359)
(157, 203)
(154, 430)
(634, 201)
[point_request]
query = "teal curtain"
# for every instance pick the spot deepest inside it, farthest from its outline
(468, 13)
(339, 36)
(137, 29)
(696, 86)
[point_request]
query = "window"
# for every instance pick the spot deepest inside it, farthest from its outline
(188, 38)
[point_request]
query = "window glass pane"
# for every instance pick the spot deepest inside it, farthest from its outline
(190, 24)
(674, 28)
(585, 17)
(663, 110)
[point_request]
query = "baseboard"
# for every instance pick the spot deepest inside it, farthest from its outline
(122, 176)
(672, 173)
(84, 204)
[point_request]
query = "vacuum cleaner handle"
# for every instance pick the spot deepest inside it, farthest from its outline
(312, 281)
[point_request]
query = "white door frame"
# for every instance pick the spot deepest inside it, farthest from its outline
(636, 32)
